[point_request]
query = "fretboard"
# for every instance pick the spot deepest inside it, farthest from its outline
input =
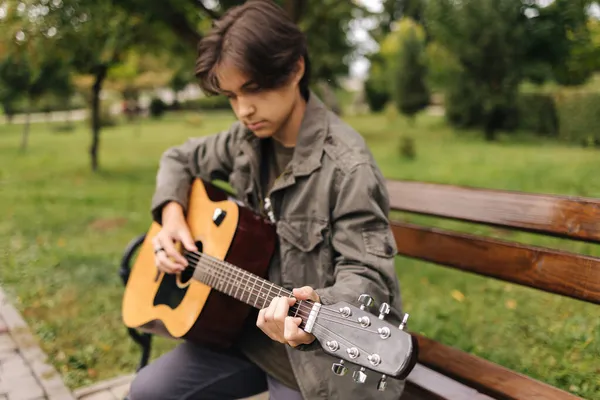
(242, 285)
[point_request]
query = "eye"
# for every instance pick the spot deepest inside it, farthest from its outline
(253, 89)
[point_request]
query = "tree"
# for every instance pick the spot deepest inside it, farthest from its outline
(98, 35)
(560, 42)
(410, 90)
(327, 21)
(27, 68)
(486, 37)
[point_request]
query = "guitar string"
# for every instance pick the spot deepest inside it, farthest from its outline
(318, 328)
(246, 276)
(246, 279)
(225, 274)
(220, 266)
(220, 269)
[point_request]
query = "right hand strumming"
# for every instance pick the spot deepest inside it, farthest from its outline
(174, 229)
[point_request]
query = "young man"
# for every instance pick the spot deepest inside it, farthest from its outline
(291, 159)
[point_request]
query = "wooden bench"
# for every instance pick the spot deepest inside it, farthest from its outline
(444, 372)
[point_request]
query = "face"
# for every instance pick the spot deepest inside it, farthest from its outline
(264, 112)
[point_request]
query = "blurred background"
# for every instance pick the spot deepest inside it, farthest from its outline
(500, 94)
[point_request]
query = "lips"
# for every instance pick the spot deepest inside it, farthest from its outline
(256, 125)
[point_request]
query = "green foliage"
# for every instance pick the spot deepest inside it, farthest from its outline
(579, 116)
(537, 113)
(442, 66)
(382, 83)
(376, 95)
(560, 38)
(490, 64)
(410, 90)
(464, 102)
(157, 107)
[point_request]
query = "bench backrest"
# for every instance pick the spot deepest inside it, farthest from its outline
(560, 272)
(564, 273)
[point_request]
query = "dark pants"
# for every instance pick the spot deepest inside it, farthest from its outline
(191, 372)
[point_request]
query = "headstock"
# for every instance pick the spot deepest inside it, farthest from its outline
(357, 336)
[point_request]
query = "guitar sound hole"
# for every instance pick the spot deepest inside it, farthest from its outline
(188, 273)
(169, 293)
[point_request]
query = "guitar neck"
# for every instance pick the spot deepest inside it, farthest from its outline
(243, 285)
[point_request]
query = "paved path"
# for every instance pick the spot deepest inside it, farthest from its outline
(25, 373)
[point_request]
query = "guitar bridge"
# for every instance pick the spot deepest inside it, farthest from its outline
(310, 322)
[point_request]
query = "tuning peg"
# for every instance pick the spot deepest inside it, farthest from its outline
(359, 376)
(365, 301)
(339, 368)
(382, 384)
(404, 321)
(384, 310)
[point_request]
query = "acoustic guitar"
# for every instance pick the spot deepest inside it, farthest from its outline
(210, 300)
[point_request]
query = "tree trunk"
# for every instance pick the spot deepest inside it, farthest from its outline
(26, 127)
(96, 89)
(493, 122)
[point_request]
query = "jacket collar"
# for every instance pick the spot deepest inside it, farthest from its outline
(310, 141)
(311, 138)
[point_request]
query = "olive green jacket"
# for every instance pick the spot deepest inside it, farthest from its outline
(331, 207)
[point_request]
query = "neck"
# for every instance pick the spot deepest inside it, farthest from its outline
(288, 133)
(243, 285)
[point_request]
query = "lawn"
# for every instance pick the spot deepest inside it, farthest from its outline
(64, 229)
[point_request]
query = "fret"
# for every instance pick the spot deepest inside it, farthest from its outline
(298, 304)
(259, 292)
(234, 283)
(268, 295)
(237, 286)
(248, 291)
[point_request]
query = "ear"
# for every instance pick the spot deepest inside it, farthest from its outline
(299, 71)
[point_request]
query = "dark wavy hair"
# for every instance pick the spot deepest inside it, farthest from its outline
(260, 39)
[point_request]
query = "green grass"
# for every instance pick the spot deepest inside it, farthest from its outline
(64, 229)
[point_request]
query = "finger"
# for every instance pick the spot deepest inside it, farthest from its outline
(171, 250)
(186, 239)
(270, 311)
(281, 310)
(293, 334)
(260, 320)
(306, 293)
(165, 264)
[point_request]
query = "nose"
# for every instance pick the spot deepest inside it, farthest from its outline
(245, 108)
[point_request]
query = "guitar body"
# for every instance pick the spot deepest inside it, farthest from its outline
(178, 306)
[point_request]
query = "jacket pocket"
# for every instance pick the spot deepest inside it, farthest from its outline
(305, 252)
(379, 241)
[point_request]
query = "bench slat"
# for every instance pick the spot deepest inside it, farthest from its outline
(571, 275)
(485, 376)
(426, 384)
(563, 216)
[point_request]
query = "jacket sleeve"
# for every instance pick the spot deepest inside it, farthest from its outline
(208, 157)
(362, 239)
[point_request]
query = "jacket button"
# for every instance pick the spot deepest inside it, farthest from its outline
(388, 249)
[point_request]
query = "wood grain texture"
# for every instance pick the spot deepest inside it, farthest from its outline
(484, 376)
(563, 216)
(549, 270)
